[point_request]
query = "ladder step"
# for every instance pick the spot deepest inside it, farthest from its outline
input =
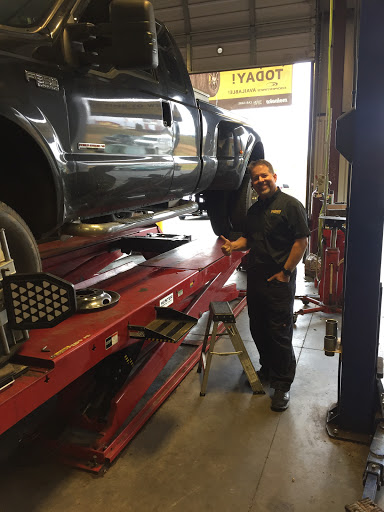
(227, 353)
(222, 312)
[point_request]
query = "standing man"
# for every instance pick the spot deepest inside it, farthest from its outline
(276, 234)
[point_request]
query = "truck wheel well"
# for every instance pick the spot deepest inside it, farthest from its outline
(26, 183)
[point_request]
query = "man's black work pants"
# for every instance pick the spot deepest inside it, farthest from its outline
(270, 309)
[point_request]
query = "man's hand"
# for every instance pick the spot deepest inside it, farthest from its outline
(280, 276)
(227, 246)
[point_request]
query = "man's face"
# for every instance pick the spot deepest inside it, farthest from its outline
(263, 181)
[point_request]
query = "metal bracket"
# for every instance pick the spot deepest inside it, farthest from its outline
(336, 432)
(152, 242)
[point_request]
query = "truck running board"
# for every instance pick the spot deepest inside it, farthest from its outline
(94, 230)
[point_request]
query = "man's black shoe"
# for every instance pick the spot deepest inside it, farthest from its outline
(280, 400)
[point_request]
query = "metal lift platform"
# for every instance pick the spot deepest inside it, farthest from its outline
(73, 360)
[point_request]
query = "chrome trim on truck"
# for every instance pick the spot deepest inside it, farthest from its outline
(94, 230)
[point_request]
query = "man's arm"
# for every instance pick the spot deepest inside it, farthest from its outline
(297, 252)
(238, 245)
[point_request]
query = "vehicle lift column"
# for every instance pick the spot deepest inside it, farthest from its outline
(359, 138)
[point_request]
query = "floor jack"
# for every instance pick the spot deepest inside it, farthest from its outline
(98, 367)
(331, 282)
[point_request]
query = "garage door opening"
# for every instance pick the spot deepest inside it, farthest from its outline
(279, 110)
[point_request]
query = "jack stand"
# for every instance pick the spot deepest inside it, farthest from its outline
(329, 292)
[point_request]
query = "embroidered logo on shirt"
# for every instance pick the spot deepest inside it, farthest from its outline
(276, 211)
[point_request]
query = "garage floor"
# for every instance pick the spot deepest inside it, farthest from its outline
(226, 451)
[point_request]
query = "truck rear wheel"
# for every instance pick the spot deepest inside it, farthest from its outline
(227, 210)
(21, 242)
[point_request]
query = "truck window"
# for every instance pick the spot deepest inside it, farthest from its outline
(226, 144)
(23, 14)
(171, 66)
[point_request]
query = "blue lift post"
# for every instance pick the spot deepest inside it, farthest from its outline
(360, 138)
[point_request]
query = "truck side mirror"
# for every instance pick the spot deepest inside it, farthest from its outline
(127, 41)
(134, 42)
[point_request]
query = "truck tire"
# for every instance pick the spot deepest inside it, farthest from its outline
(21, 242)
(217, 204)
(24, 252)
(227, 210)
(242, 200)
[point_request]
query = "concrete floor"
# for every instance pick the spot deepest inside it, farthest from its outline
(226, 451)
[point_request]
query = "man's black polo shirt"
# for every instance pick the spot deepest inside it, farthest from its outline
(272, 227)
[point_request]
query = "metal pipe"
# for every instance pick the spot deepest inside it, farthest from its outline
(330, 338)
(331, 327)
(333, 241)
(330, 343)
(4, 245)
(94, 230)
(12, 341)
(4, 341)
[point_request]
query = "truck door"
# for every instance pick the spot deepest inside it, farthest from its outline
(184, 117)
(119, 140)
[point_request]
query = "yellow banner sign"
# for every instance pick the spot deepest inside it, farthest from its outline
(247, 88)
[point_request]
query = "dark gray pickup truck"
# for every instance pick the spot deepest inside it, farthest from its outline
(98, 117)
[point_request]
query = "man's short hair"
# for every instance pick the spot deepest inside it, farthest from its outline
(267, 164)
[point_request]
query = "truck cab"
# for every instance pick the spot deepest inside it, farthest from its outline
(99, 117)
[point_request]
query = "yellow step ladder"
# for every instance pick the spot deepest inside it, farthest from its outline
(222, 312)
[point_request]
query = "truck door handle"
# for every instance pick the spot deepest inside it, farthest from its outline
(167, 114)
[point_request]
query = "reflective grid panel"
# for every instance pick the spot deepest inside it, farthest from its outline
(36, 301)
